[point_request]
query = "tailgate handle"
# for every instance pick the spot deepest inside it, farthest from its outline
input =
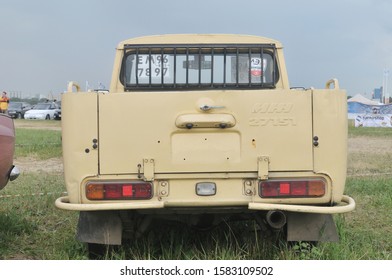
(205, 121)
(208, 107)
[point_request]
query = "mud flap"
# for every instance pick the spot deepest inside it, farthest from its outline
(311, 227)
(100, 227)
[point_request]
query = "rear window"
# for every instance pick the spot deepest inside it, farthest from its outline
(199, 66)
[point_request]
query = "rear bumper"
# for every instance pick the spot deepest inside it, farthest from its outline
(63, 203)
(347, 204)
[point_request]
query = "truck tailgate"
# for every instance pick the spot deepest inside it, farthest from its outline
(171, 129)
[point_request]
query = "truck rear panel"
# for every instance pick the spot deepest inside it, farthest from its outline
(152, 125)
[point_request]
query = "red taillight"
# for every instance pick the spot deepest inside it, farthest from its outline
(118, 191)
(292, 188)
(299, 188)
(112, 191)
(284, 188)
(127, 190)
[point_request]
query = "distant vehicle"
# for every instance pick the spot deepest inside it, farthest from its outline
(17, 110)
(7, 148)
(57, 115)
(42, 111)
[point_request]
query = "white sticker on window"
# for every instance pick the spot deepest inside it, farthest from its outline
(255, 66)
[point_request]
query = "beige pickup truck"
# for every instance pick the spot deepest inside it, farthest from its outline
(200, 129)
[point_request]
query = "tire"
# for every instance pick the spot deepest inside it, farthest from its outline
(47, 117)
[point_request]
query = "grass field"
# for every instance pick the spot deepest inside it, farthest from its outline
(32, 228)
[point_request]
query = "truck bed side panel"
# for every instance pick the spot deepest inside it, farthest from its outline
(79, 129)
(330, 126)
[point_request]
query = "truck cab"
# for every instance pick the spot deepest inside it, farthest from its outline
(199, 128)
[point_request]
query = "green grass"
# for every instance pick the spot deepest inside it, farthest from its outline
(31, 227)
(366, 232)
(39, 143)
(369, 131)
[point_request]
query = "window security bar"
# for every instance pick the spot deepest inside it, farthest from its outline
(187, 67)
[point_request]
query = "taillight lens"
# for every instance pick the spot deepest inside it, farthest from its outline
(292, 188)
(118, 191)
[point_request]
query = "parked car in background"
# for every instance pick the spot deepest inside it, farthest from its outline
(42, 111)
(7, 148)
(57, 115)
(17, 109)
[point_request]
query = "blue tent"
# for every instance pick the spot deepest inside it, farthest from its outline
(359, 105)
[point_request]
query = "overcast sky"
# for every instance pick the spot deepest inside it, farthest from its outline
(44, 44)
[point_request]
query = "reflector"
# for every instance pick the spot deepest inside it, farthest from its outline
(269, 189)
(113, 191)
(299, 188)
(142, 191)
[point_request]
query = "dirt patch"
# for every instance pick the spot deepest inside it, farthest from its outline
(369, 145)
(369, 155)
(31, 165)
